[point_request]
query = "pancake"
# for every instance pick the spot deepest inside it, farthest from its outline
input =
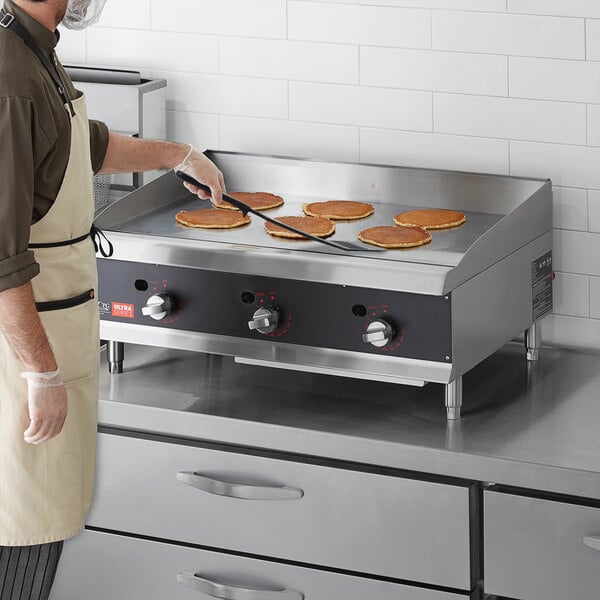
(319, 226)
(395, 236)
(211, 218)
(431, 218)
(255, 200)
(339, 210)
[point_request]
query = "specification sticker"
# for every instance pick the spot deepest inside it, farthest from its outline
(541, 290)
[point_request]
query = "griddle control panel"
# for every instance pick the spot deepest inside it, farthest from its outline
(276, 310)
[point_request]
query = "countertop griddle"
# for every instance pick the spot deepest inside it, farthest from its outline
(426, 314)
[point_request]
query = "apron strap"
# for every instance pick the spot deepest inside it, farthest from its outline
(65, 302)
(76, 240)
(101, 243)
(8, 21)
(99, 238)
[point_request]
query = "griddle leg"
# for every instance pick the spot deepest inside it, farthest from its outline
(454, 399)
(533, 341)
(115, 355)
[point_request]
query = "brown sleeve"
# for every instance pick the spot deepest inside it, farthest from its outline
(18, 132)
(98, 143)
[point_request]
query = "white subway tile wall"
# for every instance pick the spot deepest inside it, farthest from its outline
(595, 297)
(593, 124)
(500, 86)
(594, 212)
(570, 208)
(592, 37)
(572, 294)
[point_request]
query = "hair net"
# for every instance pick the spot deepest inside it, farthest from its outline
(82, 13)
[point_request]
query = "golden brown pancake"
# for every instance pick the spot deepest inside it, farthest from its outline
(211, 218)
(255, 200)
(395, 236)
(339, 210)
(319, 226)
(431, 218)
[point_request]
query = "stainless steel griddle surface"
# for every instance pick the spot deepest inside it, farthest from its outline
(446, 248)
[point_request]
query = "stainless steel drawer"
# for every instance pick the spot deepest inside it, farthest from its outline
(534, 549)
(101, 566)
(365, 522)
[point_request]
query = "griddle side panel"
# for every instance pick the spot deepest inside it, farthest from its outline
(492, 308)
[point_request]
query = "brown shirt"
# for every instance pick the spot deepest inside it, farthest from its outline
(35, 142)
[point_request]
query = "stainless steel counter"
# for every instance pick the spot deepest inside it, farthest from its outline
(536, 429)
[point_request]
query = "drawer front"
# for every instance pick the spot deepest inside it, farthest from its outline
(357, 521)
(534, 549)
(98, 566)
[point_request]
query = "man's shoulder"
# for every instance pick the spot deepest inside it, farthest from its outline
(19, 68)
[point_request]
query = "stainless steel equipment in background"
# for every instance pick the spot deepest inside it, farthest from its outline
(128, 104)
(427, 314)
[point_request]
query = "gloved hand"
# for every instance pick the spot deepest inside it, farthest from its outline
(47, 403)
(205, 171)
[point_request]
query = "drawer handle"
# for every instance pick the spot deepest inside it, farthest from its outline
(592, 540)
(228, 592)
(238, 490)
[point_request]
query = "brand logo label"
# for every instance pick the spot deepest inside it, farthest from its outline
(119, 309)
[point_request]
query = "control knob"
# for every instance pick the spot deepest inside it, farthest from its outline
(158, 306)
(265, 319)
(379, 333)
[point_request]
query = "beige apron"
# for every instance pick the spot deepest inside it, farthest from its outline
(46, 489)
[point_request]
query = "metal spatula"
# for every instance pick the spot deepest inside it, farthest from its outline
(248, 209)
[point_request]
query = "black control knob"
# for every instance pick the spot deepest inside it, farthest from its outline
(379, 333)
(159, 306)
(265, 319)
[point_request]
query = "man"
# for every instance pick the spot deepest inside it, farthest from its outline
(48, 316)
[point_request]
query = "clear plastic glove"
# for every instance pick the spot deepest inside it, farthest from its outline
(48, 405)
(206, 172)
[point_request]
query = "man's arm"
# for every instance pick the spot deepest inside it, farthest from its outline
(19, 126)
(20, 322)
(130, 155)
